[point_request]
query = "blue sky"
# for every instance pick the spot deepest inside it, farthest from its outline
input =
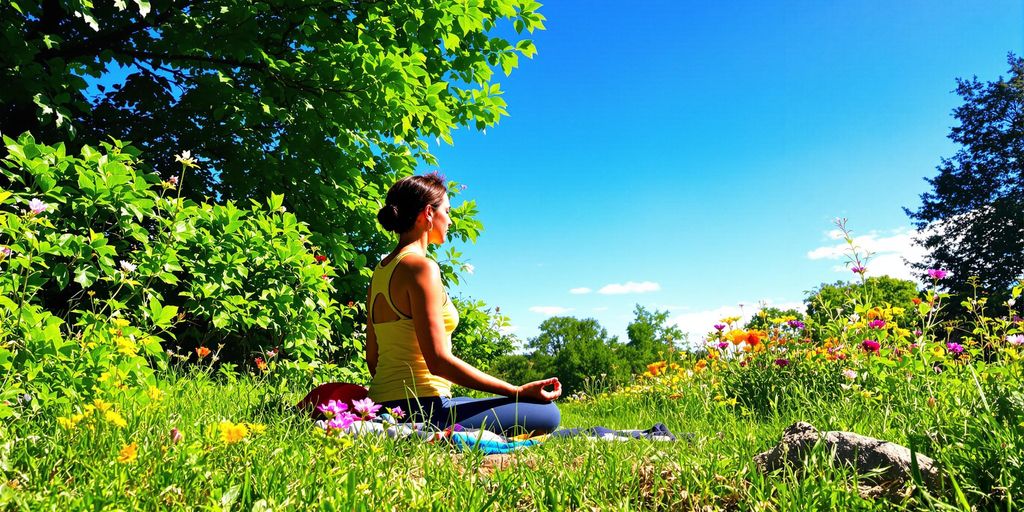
(701, 150)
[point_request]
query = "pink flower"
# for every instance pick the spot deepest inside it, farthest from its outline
(955, 348)
(870, 346)
(723, 345)
(719, 327)
(342, 421)
(36, 206)
(876, 324)
(5, 251)
(858, 269)
(849, 374)
(366, 407)
(173, 180)
(1015, 339)
(937, 273)
(397, 412)
(333, 408)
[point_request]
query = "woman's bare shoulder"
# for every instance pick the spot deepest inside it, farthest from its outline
(416, 266)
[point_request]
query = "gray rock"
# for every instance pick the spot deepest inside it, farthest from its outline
(885, 467)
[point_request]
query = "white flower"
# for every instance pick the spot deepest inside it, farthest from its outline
(36, 206)
(173, 180)
(185, 158)
(127, 266)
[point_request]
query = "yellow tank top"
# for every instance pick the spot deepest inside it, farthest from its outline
(401, 370)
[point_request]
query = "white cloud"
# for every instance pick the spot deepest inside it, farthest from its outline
(550, 310)
(508, 329)
(629, 287)
(580, 291)
(887, 252)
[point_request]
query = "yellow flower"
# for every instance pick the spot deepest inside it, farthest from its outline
(115, 419)
(232, 433)
(128, 454)
(67, 423)
(256, 428)
(101, 405)
(126, 346)
(120, 322)
(938, 351)
(730, 320)
(154, 393)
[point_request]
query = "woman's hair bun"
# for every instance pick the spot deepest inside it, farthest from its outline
(388, 217)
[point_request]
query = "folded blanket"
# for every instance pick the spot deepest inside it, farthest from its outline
(489, 442)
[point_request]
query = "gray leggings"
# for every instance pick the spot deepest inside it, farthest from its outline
(507, 416)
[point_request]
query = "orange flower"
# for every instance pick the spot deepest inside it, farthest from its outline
(655, 368)
(736, 336)
(261, 364)
(202, 352)
(916, 301)
(754, 338)
(712, 354)
(128, 454)
(700, 365)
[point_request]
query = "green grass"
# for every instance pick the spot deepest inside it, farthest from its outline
(293, 466)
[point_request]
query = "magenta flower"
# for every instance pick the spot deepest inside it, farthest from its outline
(876, 324)
(858, 269)
(723, 345)
(176, 435)
(918, 332)
(937, 273)
(342, 421)
(366, 407)
(955, 348)
(36, 206)
(397, 412)
(870, 346)
(782, 362)
(796, 324)
(333, 408)
(719, 327)
(5, 251)
(1015, 339)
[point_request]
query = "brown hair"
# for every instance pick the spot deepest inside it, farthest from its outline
(406, 199)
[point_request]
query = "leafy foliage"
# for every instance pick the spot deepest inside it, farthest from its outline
(972, 221)
(101, 264)
(479, 339)
(830, 302)
(327, 103)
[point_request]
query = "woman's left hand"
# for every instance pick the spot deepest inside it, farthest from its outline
(536, 391)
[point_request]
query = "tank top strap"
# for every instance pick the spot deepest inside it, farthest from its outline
(382, 285)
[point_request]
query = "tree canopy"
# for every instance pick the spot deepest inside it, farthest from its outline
(327, 102)
(972, 221)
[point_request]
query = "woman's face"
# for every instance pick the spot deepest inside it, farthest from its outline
(441, 220)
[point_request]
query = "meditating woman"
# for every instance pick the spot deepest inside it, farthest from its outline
(410, 320)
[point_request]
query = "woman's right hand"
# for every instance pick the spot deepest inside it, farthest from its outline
(536, 391)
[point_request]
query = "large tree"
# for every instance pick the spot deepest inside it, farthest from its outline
(326, 101)
(972, 221)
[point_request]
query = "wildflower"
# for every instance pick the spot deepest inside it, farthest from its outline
(932, 402)
(876, 324)
(870, 346)
(320, 258)
(67, 423)
(723, 345)
(173, 180)
(729, 320)
(858, 269)
(101, 405)
(261, 364)
(127, 266)
(397, 412)
(781, 362)
(231, 433)
(128, 453)
(937, 273)
(333, 408)
(719, 327)
(1015, 339)
(176, 436)
(5, 251)
(36, 206)
(366, 407)
(796, 324)
(256, 428)
(916, 301)
(918, 332)
(701, 365)
(938, 351)
(154, 393)
(272, 353)
(849, 374)
(342, 421)
(736, 336)
(202, 352)
(185, 159)
(126, 346)
(955, 348)
(753, 338)
(114, 418)
(655, 368)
